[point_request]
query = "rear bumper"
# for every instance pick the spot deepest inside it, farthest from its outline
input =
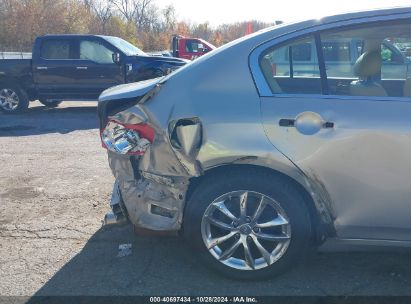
(150, 201)
(119, 212)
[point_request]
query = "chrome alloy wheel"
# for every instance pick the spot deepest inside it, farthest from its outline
(9, 100)
(246, 230)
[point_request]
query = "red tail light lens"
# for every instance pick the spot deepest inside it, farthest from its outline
(127, 139)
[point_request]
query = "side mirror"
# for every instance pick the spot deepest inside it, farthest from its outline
(116, 58)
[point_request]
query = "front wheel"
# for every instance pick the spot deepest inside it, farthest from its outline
(13, 99)
(248, 225)
(50, 103)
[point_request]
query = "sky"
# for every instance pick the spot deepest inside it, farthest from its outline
(217, 12)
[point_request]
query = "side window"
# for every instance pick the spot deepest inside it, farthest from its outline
(55, 49)
(292, 68)
(192, 46)
(390, 53)
(336, 51)
(301, 52)
(94, 51)
(337, 57)
(368, 61)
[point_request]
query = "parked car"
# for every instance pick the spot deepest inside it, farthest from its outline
(75, 67)
(253, 168)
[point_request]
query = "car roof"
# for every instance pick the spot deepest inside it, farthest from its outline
(300, 25)
(272, 32)
(246, 44)
(74, 35)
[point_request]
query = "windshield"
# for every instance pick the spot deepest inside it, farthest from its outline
(124, 46)
(208, 44)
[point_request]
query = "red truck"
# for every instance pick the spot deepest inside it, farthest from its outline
(190, 48)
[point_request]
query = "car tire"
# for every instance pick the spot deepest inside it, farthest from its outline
(50, 103)
(13, 99)
(282, 201)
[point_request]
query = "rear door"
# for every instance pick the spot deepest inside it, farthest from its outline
(356, 149)
(54, 73)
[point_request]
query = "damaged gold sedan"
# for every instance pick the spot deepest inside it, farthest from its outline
(271, 144)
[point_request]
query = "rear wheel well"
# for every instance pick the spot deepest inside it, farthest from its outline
(316, 222)
(16, 82)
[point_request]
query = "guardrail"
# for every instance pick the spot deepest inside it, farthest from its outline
(15, 55)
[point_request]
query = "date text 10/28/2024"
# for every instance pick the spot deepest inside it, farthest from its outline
(203, 300)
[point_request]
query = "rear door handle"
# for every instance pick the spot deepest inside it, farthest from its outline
(81, 68)
(290, 123)
(42, 68)
(285, 122)
(307, 123)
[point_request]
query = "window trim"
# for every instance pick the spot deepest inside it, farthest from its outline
(321, 64)
(342, 97)
(260, 82)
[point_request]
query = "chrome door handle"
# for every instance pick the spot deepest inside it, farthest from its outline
(81, 68)
(285, 122)
(42, 68)
(307, 123)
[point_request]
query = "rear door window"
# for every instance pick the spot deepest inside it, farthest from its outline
(292, 68)
(378, 65)
(56, 49)
(336, 51)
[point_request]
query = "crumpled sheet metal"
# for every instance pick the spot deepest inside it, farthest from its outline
(156, 200)
(161, 158)
(139, 196)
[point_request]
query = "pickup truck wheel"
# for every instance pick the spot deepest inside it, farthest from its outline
(13, 99)
(50, 103)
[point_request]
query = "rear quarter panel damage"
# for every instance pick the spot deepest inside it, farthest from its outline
(204, 118)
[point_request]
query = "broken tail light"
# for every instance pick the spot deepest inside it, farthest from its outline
(127, 139)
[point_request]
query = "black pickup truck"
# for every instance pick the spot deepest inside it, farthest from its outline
(75, 67)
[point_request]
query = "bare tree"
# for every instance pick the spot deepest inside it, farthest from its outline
(134, 11)
(100, 9)
(169, 16)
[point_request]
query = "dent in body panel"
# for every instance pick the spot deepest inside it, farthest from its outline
(358, 176)
(369, 181)
(201, 127)
(152, 201)
(155, 195)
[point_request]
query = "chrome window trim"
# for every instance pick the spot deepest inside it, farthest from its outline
(341, 97)
(261, 84)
